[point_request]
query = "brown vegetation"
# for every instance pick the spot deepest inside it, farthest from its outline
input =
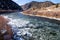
(37, 5)
(52, 13)
(7, 11)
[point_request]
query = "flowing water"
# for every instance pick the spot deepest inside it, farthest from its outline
(33, 28)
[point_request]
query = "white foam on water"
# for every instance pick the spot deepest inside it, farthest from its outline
(24, 31)
(17, 22)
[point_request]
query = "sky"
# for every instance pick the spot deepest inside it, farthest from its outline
(22, 2)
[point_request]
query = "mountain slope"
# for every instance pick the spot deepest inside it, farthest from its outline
(9, 5)
(37, 5)
(43, 9)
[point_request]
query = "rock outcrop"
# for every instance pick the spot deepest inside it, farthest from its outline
(5, 29)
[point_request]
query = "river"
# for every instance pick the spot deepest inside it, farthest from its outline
(33, 28)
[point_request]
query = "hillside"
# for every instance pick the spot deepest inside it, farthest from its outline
(48, 10)
(37, 5)
(9, 6)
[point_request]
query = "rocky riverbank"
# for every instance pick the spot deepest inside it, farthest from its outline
(5, 29)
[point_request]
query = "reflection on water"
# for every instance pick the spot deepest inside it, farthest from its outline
(33, 28)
